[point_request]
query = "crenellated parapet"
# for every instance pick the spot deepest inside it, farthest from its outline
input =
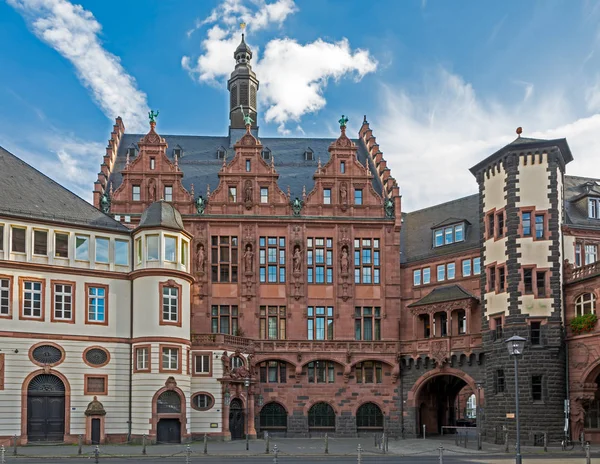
(108, 161)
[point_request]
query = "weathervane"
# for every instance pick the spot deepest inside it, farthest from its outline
(242, 26)
(152, 115)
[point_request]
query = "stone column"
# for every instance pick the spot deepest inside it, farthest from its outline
(250, 419)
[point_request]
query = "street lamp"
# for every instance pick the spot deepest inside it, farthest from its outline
(247, 385)
(479, 386)
(515, 346)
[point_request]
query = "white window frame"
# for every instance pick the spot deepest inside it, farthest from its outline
(86, 239)
(153, 257)
(5, 296)
(136, 193)
(205, 363)
(28, 301)
(102, 240)
(168, 193)
(170, 304)
(92, 308)
(124, 254)
(142, 362)
(60, 295)
(169, 358)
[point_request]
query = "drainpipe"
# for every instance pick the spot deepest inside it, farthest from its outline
(562, 298)
(130, 345)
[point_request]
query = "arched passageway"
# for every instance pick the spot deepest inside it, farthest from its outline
(437, 403)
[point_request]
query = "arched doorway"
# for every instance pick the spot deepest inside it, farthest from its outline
(236, 419)
(369, 418)
(46, 408)
(273, 419)
(321, 416)
(437, 400)
(168, 408)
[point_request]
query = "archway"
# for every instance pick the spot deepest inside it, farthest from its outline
(321, 416)
(46, 408)
(437, 400)
(369, 417)
(236, 419)
(273, 418)
(168, 410)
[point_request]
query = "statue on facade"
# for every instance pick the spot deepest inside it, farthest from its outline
(389, 208)
(247, 118)
(345, 261)
(152, 192)
(248, 259)
(297, 259)
(152, 115)
(105, 203)
(200, 204)
(226, 362)
(200, 258)
(343, 194)
(248, 192)
(297, 205)
(343, 121)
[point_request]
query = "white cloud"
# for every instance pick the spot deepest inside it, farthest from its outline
(292, 76)
(74, 33)
(431, 139)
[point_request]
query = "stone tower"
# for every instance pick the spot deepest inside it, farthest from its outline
(521, 209)
(242, 86)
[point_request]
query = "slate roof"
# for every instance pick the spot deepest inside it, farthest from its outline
(416, 236)
(576, 209)
(27, 193)
(201, 166)
(446, 293)
(161, 214)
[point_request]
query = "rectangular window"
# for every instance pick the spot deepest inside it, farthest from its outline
(320, 323)
(32, 299)
(121, 252)
(102, 249)
(528, 280)
(40, 242)
(319, 260)
(224, 258)
(417, 277)
(526, 224)
(367, 261)
(201, 364)
(184, 252)
(82, 248)
(5, 296)
(63, 302)
(342, 167)
(170, 249)
(233, 194)
(272, 323)
(271, 259)
(321, 372)
(451, 270)
(500, 381)
(367, 323)
(1, 237)
(466, 267)
(500, 224)
(224, 319)
(135, 192)
(168, 193)
(438, 237)
(326, 196)
(426, 275)
(248, 164)
(264, 195)
(448, 236)
(18, 240)
(591, 254)
(501, 279)
(539, 226)
(476, 266)
(492, 279)
(142, 358)
(152, 163)
(273, 372)
(536, 388)
(368, 372)
(462, 322)
(498, 327)
(61, 245)
(138, 250)
(540, 282)
(95, 385)
(152, 247)
(459, 233)
(535, 332)
(593, 210)
(578, 259)
(358, 196)
(96, 305)
(170, 305)
(170, 359)
(441, 272)
(491, 224)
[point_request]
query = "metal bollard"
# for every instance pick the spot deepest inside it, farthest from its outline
(466, 437)
(14, 445)
(588, 455)
(424, 429)
(441, 450)
(326, 444)
(188, 453)
(266, 442)
(546, 441)
(144, 444)
(247, 443)
(2, 453)
(205, 444)
(479, 441)
(582, 439)
(506, 442)
(96, 454)
(275, 453)
(457, 437)
(359, 451)
(79, 443)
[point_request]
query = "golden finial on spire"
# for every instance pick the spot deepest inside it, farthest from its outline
(242, 26)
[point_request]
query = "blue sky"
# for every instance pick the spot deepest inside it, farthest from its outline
(443, 84)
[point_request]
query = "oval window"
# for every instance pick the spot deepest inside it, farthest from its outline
(96, 357)
(202, 401)
(46, 354)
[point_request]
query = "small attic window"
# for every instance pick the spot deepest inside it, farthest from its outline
(266, 154)
(178, 152)
(309, 155)
(221, 153)
(449, 234)
(131, 151)
(594, 208)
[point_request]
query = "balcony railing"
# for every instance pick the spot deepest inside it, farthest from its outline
(583, 272)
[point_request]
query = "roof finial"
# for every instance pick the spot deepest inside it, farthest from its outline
(319, 165)
(365, 120)
(176, 162)
(272, 163)
(127, 160)
(192, 190)
(304, 193)
(207, 190)
(152, 115)
(343, 121)
(289, 195)
(519, 132)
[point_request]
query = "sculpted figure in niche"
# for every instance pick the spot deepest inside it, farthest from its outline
(200, 257)
(152, 192)
(248, 192)
(248, 259)
(345, 260)
(343, 194)
(297, 259)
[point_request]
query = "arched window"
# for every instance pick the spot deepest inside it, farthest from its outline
(369, 415)
(273, 415)
(236, 361)
(585, 304)
(321, 415)
(471, 412)
(168, 402)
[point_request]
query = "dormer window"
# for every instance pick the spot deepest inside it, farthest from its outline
(309, 155)
(266, 154)
(221, 153)
(178, 152)
(448, 234)
(131, 151)
(594, 208)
